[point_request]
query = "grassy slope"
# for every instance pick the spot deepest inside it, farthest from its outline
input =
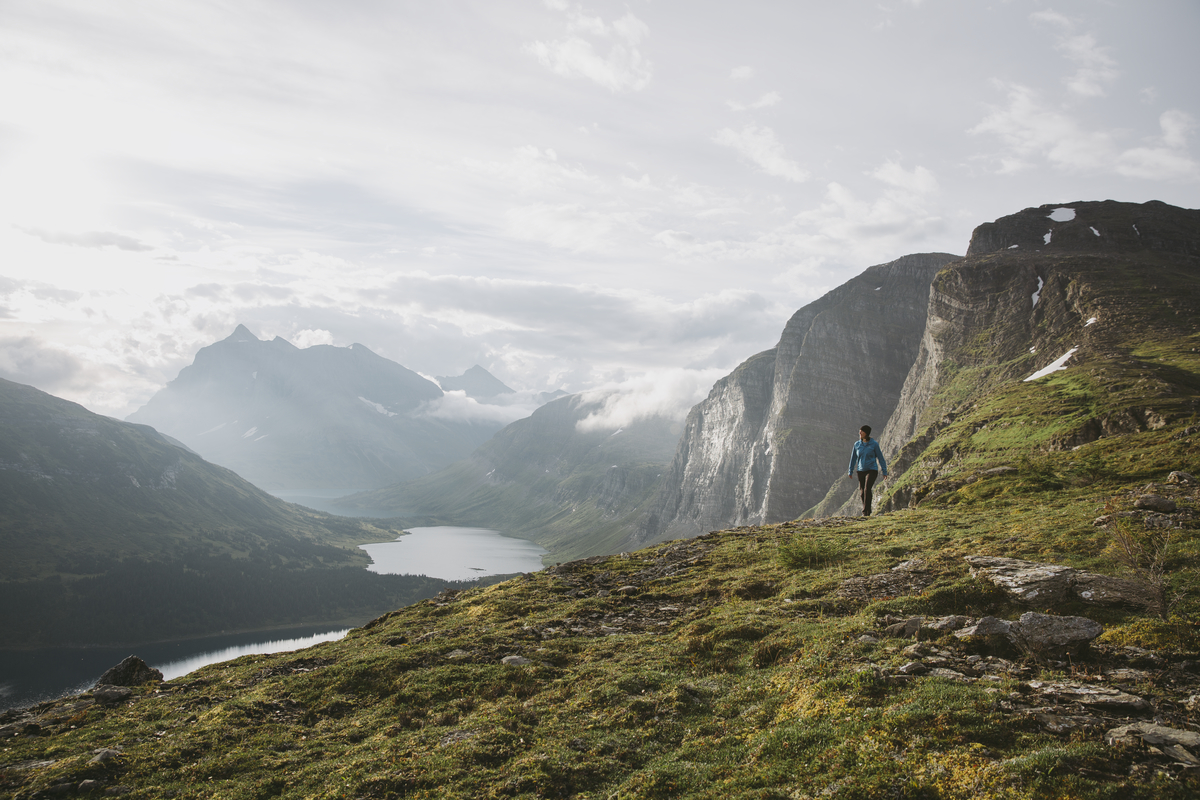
(723, 671)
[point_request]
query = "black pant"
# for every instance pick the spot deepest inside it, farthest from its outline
(866, 480)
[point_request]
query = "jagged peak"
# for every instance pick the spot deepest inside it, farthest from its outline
(242, 334)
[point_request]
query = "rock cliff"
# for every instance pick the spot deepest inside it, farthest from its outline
(773, 435)
(1079, 277)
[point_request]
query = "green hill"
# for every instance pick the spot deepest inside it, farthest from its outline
(111, 533)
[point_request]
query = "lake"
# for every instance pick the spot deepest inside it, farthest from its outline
(449, 553)
(454, 554)
(31, 676)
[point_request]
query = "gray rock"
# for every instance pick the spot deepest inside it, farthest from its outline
(1155, 502)
(1153, 734)
(867, 638)
(913, 668)
(988, 626)
(1048, 584)
(1049, 637)
(627, 590)
(1105, 590)
(1178, 477)
(942, 672)
(903, 630)
(1024, 581)
(105, 755)
(130, 672)
(111, 695)
(515, 661)
(455, 655)
(1099, 697)
(953, 622)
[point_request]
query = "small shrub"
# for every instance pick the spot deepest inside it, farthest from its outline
(802, 553)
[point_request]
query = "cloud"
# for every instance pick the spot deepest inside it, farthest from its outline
(767, 100)
(624, 68)
(455, 405)
(761, 146)
(918, 181)
(667, 393)
(27, 359)
(1032, 132)
(741, 73)
(310, 337)
(88, 239)
(1095, 67)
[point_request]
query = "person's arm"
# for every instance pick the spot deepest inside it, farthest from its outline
(853, 452)
(882, 462)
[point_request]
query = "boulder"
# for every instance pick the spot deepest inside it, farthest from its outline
(1155, 502)
(1048, 637)
(1046, 584)
(1179, 477)
(904, 629)
(130, 672)
(1024, 581)
(1152, 734)
(988, 626)
(515, 661)
(1104, 698)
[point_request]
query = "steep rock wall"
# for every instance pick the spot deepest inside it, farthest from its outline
(773, 435)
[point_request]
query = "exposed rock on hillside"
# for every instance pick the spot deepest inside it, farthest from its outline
(773, 435)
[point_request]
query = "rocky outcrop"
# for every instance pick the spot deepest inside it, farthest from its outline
(1030, 582)
(133, 671)
(772, 436)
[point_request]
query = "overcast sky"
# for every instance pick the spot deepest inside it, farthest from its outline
(634, 194)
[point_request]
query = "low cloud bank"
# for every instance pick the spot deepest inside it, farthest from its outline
(668, 393)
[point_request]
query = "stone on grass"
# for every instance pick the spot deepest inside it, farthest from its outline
(1179, 477)
(111, 695)
(105, 755)
(1105, 590)
(1155, 502)
(1153, 734)
(904, 629)
(1049, 637)
(1104, 698)
(515, 661)
(988, 626)
(1024, 581)
(130, 672)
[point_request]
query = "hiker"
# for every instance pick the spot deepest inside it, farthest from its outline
(866, 458)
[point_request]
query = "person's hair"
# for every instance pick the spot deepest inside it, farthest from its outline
(866, 429)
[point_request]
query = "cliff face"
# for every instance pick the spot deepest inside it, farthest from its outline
(1022, 298)
(773, 435)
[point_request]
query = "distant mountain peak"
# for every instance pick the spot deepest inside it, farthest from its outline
(477, 382)
(242, 334)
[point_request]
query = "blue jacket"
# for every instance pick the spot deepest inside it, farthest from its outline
(863, 456)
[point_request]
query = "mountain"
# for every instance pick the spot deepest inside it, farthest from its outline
(477, 382)
(773, 435)
(1114, 285)
(111, 533)
(321, 421)
(575, 492)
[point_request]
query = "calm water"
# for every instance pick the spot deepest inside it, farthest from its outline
(30, 676)
(454, 554)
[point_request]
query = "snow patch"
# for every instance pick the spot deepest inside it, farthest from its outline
(1135, 230)
(1046, 238)
(250, 433)
(1038, 294)
(1013, 246)
(877, 288)
(1061, 363)
(1033, 349)
(214, 430)
(1089, 322)
(260, 438)
(615, 433)
(1062, 214)
(1095, 231)
(377, 407)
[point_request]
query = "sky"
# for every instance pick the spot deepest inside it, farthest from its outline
(620, 196)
